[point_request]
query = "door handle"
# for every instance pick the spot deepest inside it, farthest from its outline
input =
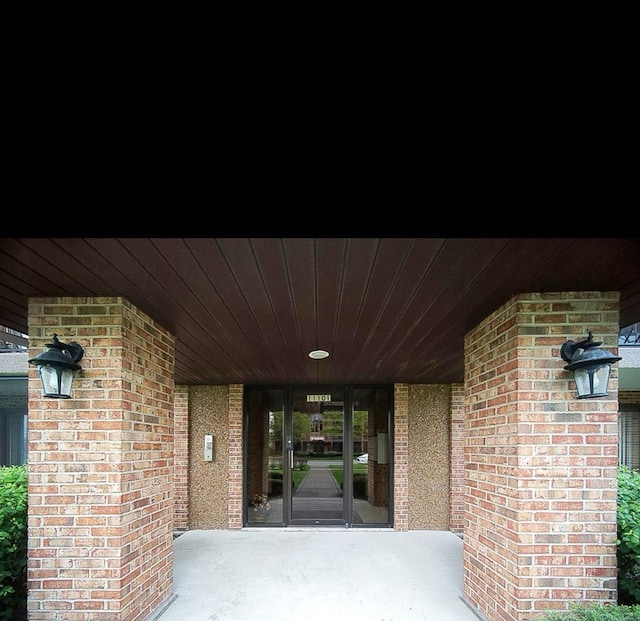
(291, 459)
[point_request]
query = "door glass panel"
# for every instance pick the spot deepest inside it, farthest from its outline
(371, 452)
(316, 457)
(265, 476)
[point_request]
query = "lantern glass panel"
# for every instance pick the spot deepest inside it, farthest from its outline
(592, 382)
(65, 382)
(49, 378)
(56, 382)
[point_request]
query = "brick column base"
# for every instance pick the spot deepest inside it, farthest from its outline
(541, 465)
(101, 466)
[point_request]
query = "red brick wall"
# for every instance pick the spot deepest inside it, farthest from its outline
(457, 458)
(541, 465)
(181, 458)
(401, 458)
(101, 466)
(235, 455)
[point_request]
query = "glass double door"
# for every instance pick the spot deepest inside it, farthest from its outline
(317, 456)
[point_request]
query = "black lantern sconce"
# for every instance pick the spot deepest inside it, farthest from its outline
(591, 366)
(57, 366)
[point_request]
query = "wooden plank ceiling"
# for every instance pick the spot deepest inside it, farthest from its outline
(247, 310)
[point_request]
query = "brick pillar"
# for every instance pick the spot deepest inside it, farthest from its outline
(101, 466)
(235, 455)
(457, 459)
(401, 457)
(181, 458)
(541, 465)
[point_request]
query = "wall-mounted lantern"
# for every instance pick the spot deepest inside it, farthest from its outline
(57, 366)
(591, 366)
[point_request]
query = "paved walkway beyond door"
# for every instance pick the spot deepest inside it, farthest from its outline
(313, 574)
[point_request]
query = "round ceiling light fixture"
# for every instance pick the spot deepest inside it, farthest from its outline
(318, 354)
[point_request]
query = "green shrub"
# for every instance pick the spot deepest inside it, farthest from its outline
(275, 487)
(594, 612)
(628, 541)
(13, 540)
(276, 484)
(360, 486)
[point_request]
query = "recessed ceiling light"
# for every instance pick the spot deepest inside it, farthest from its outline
(318, 354)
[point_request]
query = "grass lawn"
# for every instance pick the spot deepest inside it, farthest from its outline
(297, 474)
(338, 472)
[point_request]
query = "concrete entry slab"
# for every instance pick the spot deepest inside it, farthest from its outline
(317, 574)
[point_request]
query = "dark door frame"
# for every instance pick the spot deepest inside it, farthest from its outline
(348, 407)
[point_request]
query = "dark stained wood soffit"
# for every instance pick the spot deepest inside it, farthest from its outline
(249, 310)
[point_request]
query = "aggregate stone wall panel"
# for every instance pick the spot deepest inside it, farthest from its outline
(208, 480)
(429, 456)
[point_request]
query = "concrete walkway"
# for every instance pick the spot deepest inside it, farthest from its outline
(313, 574)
